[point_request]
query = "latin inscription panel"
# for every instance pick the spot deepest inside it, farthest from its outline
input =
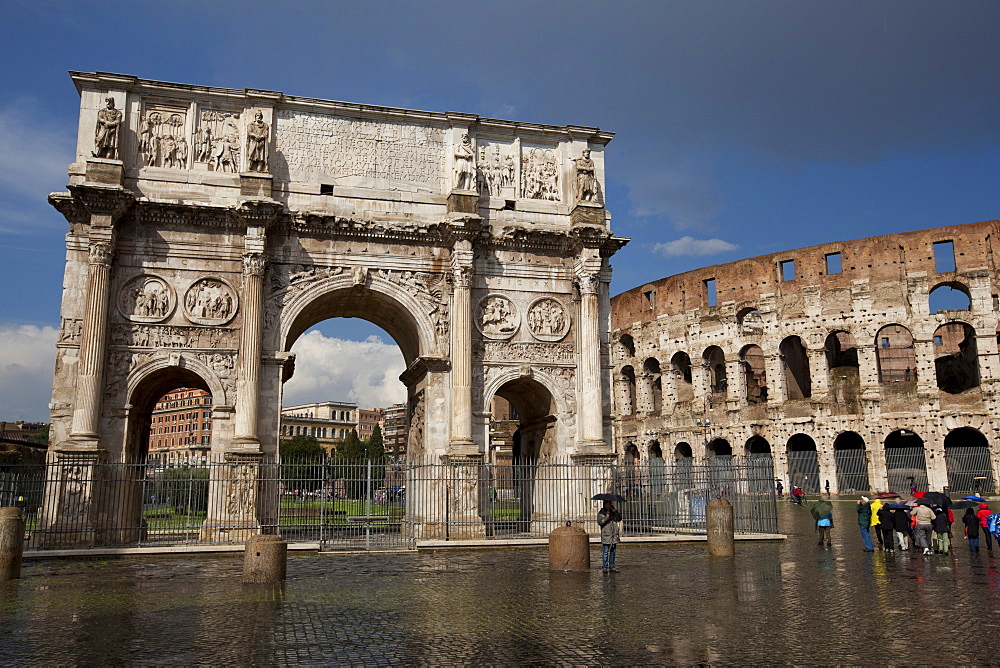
(345, 147)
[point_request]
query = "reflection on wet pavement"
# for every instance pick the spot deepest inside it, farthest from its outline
(777, 602)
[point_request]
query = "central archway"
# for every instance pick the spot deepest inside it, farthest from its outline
(527, 495)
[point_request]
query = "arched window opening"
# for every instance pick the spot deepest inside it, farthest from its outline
(967, 459)
(627, 397)
(757, 446)
(949, 297)
(715, 362)
(851, 461)
(754, 373)
(750, 322)
(628, 344)
(719, 447)
(843, 373)
(897, 362)
(795, 362)
(803, 464)
(684, 465)
(956, 359)
(657, 474)
(680, 364)
(652, 368)
(905, 462)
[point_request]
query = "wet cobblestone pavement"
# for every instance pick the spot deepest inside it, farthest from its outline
(785, 602)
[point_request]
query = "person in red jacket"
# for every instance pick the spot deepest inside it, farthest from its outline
(983, 513)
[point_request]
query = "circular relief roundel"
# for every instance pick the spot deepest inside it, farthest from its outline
(146, 298)
(548, 319)
(497, 317)
(210, 301)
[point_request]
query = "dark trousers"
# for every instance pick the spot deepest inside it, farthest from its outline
(987, 538)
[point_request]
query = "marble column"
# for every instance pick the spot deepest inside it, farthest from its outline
(248, 387)
(461, 354)
(93, 338)
(589, 409)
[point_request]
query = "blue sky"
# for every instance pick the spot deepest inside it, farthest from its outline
(742, 128)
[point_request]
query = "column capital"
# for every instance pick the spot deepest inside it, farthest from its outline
(588, 282)
(101, 252)
(254, 264)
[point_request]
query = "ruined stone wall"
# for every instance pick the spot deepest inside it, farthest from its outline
(790, 350)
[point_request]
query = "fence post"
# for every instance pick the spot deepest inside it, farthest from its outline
(11, 543)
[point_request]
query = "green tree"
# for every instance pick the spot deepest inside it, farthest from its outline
(374, 446)
(300, 447)
(352, 449)
(299, 457)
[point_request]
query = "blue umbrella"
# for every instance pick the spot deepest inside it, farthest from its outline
(897, 506)
(975, 498)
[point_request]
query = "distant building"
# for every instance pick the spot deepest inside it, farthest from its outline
(504, 422)
(328, 422)
(368, 419)
(180, 432)
(395, 431)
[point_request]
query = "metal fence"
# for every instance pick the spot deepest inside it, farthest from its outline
(906, 467)
(852, 470)
(803, 470)
(366, 505)
(970, 469)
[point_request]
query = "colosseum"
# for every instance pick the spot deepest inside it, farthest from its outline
(866, 365)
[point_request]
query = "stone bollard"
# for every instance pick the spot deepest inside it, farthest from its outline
(264, 560)
(569, 549)
(11, 543)
(721, 530)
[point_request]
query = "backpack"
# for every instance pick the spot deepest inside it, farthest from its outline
(993, 525)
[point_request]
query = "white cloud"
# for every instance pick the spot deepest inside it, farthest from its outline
(27, 362)
(691, 246)
(36, 151)
(330, 369)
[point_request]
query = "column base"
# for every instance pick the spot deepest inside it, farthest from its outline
(256, 184)
(105, 172)
(587, 214)
(463, 201)
(593, 448)
(463, 448)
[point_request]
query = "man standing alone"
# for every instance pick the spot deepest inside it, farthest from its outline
(608, 518)
(864, 523)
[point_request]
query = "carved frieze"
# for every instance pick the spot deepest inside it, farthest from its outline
(548, 319)
(163, 136)
(224, 366)
(210, 301)
(349, 147)
(217, 140)
(69, 331)
(521, 351)
(539, 173)
(496, 170)
(161, 336)
(146, 298)
(497, 317)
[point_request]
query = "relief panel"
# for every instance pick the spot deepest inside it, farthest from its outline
(216, 141)
(210, 301)
(548, 319)
(496, 169)
(163, 136)
(146, 298)
(540, 172)
(497, 317)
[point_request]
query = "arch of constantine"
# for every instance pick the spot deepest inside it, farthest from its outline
(210, 227)
(871, 364)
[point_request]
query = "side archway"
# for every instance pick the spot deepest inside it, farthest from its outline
(967, 459)
(803, 464)
(851, 461)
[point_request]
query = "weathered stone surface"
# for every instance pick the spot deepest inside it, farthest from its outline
(11, 543)
(242, 218)
(569, 549)
(849, 357)
(265, 560)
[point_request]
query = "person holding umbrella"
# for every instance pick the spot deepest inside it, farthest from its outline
(823, 512)
(608, 518)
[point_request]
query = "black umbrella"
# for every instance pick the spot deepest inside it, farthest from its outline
(962, 505)
(938, 499)
(609, 497)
